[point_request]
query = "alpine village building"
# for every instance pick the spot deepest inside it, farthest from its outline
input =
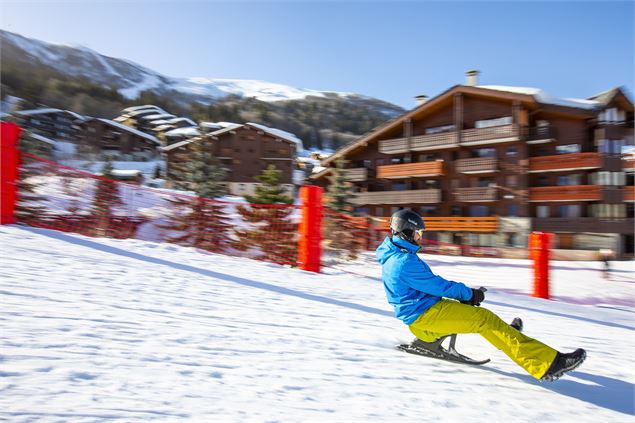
(245, 150)
(486, 165)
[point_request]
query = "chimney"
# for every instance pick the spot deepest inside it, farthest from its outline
(472, 76)
(421, 99)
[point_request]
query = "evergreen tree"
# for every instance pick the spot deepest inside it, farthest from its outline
(157, 172)
(268, 228)
(340, 191)
(342, 233)
(106, 198)
(199, 221)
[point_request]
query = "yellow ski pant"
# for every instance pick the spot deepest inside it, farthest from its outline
(448, 316)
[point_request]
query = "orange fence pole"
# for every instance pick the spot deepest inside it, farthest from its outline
(539, 244)
(309, 249)
(9, 160)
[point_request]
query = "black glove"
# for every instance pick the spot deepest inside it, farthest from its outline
(478, 296)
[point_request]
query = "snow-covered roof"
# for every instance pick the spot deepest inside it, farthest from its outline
(158, 116)
(47, 111)
(144, 112)
(227, 128)
(181, 119)
(163, 127)
(41, 138)
(176, 145)
(280, 134)
(189, 131)
(129, 129)
(136, 108)
(545, 98)
(211, 125)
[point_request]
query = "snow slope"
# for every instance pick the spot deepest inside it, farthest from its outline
(123, 330)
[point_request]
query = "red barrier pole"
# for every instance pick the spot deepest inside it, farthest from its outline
(9, 162)
(309, 251)
(539, 243)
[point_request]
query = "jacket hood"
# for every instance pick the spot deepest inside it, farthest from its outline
(393, 246)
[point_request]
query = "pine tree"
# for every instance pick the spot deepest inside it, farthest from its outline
(106, 198)
(199, 221)
(157, 172)
(342, 234)
(268, 228)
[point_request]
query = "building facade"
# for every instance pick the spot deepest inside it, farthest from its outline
(102, 137)
(245, 151)
(53, 124)
(485, 165)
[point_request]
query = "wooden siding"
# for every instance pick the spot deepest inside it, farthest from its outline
(419, 143)
(476, 194)
(583, 224)
(629, 193)
(561, 162)
(494, 133)
(417, 196)
(477, 165)
(566, 193)
(407, 170)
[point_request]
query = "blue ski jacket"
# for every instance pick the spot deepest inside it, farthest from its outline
(411, 287)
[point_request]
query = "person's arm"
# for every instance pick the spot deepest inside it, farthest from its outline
(418, 276)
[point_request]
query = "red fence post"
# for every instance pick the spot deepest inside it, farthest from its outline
(309, 250)
(539, 243)
(9, 162)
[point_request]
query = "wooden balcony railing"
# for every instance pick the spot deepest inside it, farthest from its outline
(463, 224)
(408, 170)
(476, 194)
(419, 143)
(484, 135)
(477, 165)
(538, 134)
(566, 193)
(629, 193)
(561, 162)
(415, 196)
(629, 163)
(358, 174)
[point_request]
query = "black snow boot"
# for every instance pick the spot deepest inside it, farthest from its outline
(564, 363)
(517, 324)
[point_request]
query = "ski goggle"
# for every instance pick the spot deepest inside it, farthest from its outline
(420, 232)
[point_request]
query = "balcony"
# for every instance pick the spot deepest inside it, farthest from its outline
(463, 224)
(539, 134)
(562, 162)
(566, 193)
(419, 143)
(628, 163)
(477, 165)
(409, 170)
(503, 133)
(583, 224)
(476, 194)
(629, 194)
(417, 196)
(358, 174)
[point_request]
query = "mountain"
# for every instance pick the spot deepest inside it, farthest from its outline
(58, 75)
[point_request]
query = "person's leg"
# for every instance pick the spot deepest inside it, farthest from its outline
(449, 316)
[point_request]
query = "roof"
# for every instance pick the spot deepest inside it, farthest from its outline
(47, 111)
(178, 144)
(181, 119)
(135, 108)
(279, 133)
(41, 138)
(190, 131)
(545, 98)
(143, 112)
(129, 129)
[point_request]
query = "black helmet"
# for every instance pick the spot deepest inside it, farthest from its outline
(404, 223)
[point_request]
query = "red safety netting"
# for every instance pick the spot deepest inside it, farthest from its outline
(57, 197)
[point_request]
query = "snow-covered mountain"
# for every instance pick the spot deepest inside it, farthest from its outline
(130, 78)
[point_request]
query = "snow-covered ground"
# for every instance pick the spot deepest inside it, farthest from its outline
(123, 330)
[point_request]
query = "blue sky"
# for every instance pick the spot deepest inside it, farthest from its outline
(391, 50)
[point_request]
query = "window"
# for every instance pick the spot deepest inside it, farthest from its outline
(570, 210)
(486, 123)
(438, 129)
(567, 148)
(485, 182)
(428, 211)
(479, 211)
(511, 180)
(398, 186)
(568, 180)
(512, 151)
(611, 146)
(612, 115)
(512, 210)
(484, 152)
(456, 211)
(542, 211)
